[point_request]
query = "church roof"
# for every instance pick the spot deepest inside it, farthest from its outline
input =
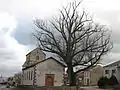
(33, 50)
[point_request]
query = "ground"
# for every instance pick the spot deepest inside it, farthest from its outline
(3, 87)
(93, 88)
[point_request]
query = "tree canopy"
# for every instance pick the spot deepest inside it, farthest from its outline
(74, 37)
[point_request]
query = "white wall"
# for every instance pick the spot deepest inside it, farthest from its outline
(49, 67)
(3, 79)
(40, 74)
(95, 74)
(55, 68)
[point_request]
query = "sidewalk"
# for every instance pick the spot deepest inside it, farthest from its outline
(2, 86)
(92, 88)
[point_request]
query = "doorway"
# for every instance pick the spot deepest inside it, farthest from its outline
(49, 80)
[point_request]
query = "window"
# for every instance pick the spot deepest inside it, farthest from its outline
(27, 75)
(85, 80)
(37, 57)
(106, 71)
(31, 74)
(37, 51)
(23, 77)
(113, 71)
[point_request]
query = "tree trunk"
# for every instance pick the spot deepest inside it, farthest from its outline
(71, 76)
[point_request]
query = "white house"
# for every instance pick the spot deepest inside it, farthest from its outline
(39, 71)
(3, 79)
(112, 69)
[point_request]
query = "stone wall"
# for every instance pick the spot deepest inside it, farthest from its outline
(95, 75)
(32, 56)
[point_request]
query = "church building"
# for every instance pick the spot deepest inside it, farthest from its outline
(41, 71)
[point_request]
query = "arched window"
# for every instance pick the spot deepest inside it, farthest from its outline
(37, 57)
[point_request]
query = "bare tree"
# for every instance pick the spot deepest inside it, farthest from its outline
(74, 37)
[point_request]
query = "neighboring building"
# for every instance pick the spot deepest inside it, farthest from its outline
(113, 69)
(3, 79)
(90, 76)
(84, 78)
(95, 74)
(38, 71)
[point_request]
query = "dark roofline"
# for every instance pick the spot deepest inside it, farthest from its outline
(33, 64)
(30, 51)
(33, 50)
(43, 61)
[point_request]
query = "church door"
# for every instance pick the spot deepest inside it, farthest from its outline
(49, 80)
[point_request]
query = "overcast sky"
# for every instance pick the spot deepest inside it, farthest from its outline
(16, 26)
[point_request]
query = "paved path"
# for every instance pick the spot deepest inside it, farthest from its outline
(93, 88)
(2, 87)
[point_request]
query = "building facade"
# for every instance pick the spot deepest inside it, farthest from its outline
(95, 74)
(90, 76)
(84, 78)
(112, 69)
(3, 79)
(38, 71)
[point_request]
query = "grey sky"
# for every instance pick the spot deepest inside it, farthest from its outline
(16, 26)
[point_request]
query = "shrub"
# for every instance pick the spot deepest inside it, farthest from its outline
(113, 80)
(103, 82)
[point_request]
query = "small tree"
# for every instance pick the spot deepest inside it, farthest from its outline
(74, 38)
